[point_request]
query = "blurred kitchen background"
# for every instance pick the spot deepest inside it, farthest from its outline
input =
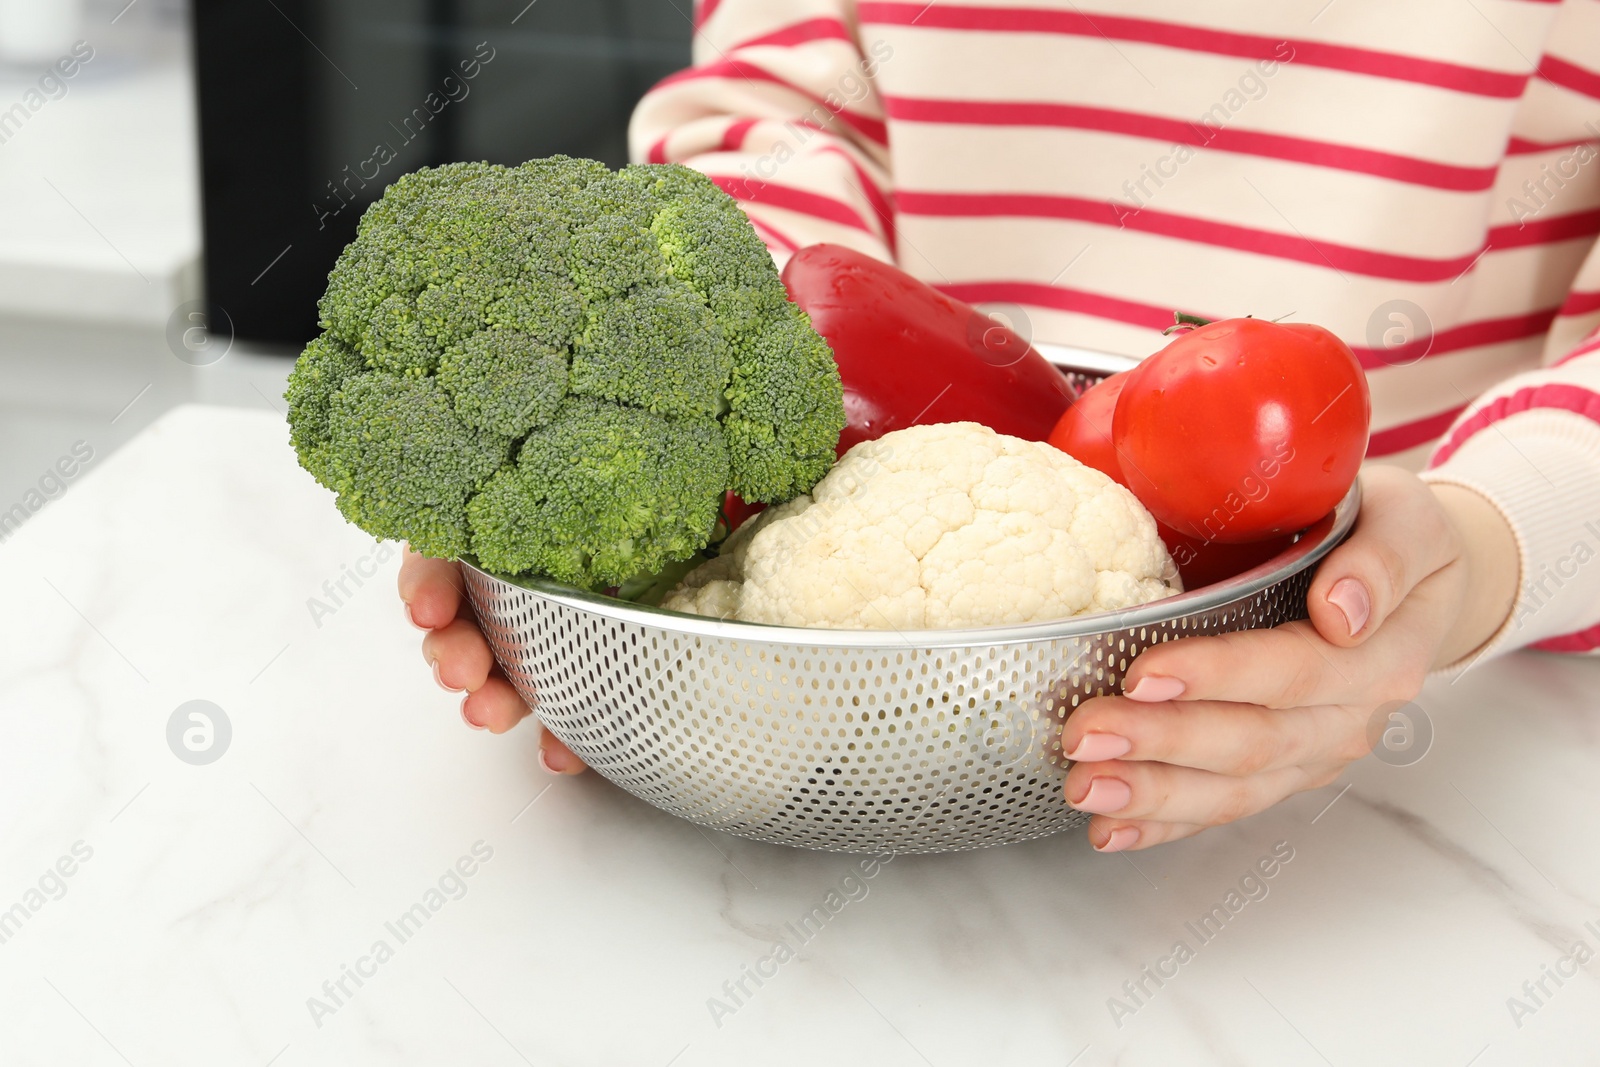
(172, 206)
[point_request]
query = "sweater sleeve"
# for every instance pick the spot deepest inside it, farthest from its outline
(780, 109)
(1531, 444)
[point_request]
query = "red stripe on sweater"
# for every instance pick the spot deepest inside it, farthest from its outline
(770, 236)
(1411, 434)
(1505, 85)
(1296, 247)
(658, 152)
(1060, 298)
(1582, 641)
(1569, 76)
(1185, 228)
(1408, 169)
(1580, 303)
(703, 10)
(882, 203)
(1457, 338)
(1557, 396)
(733, 137)
(1579, 224)
(875, 129)
(823, 29)
(1518, 146)
(882, 206)
(789, 198)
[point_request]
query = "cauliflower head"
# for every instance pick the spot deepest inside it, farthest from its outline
(936, 527)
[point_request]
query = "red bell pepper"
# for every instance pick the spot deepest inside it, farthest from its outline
(908, 353)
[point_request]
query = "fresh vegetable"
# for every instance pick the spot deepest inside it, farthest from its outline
(939, 526)
(1084, 429)
(559, 369)
(909, 354)
(1204, 563)
(1084, 433)
(1243, 429)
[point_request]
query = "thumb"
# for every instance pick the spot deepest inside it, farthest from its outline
(1401, 537)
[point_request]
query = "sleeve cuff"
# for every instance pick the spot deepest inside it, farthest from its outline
(1541, 469)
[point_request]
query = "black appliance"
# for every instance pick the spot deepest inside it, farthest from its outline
(310, 108)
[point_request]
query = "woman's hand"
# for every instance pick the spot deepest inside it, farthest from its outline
(460, 657)
(1211, 729)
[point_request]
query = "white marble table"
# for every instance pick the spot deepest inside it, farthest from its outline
(207, 905)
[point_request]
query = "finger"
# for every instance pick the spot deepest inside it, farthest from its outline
(459, 655)
(496, 706)
(493, 706)
(431, 590)
(1288, 666)
(556, 757)
(1165, 793)
(1209, 735)
(1130, 835)
(1291, 666)
(1400, 538)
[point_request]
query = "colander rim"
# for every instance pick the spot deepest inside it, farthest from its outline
(1315, 542)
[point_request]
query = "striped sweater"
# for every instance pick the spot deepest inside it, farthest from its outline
(1422, 177)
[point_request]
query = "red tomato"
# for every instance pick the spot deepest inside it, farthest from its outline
(1084, 433)
(1084, 430)
(1201, 563)
(1243, 429)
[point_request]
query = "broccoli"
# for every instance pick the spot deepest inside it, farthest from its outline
(559, 369)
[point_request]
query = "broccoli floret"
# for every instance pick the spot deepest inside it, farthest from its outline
(319, 374)
(603, 492)
(403, 464)
(559, 369)
(504, 381)
(784, 398)
(656, 348)
(611, 255)
(786, 409)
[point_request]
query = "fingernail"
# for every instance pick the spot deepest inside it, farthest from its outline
(1105, 795)
(1154, 688)
(468, 718)
(412, 619)
(544, 761)
(1349, 595)
(1099, 746)
(1122, 837)
(437, 678)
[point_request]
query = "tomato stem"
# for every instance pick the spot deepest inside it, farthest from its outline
(1182, 322)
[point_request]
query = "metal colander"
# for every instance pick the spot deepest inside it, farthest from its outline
(850, 740)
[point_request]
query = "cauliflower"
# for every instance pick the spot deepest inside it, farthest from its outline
(935, 527)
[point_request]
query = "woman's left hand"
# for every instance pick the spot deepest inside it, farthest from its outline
(1211, 729)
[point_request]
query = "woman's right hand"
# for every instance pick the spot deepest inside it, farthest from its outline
(434, 602)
